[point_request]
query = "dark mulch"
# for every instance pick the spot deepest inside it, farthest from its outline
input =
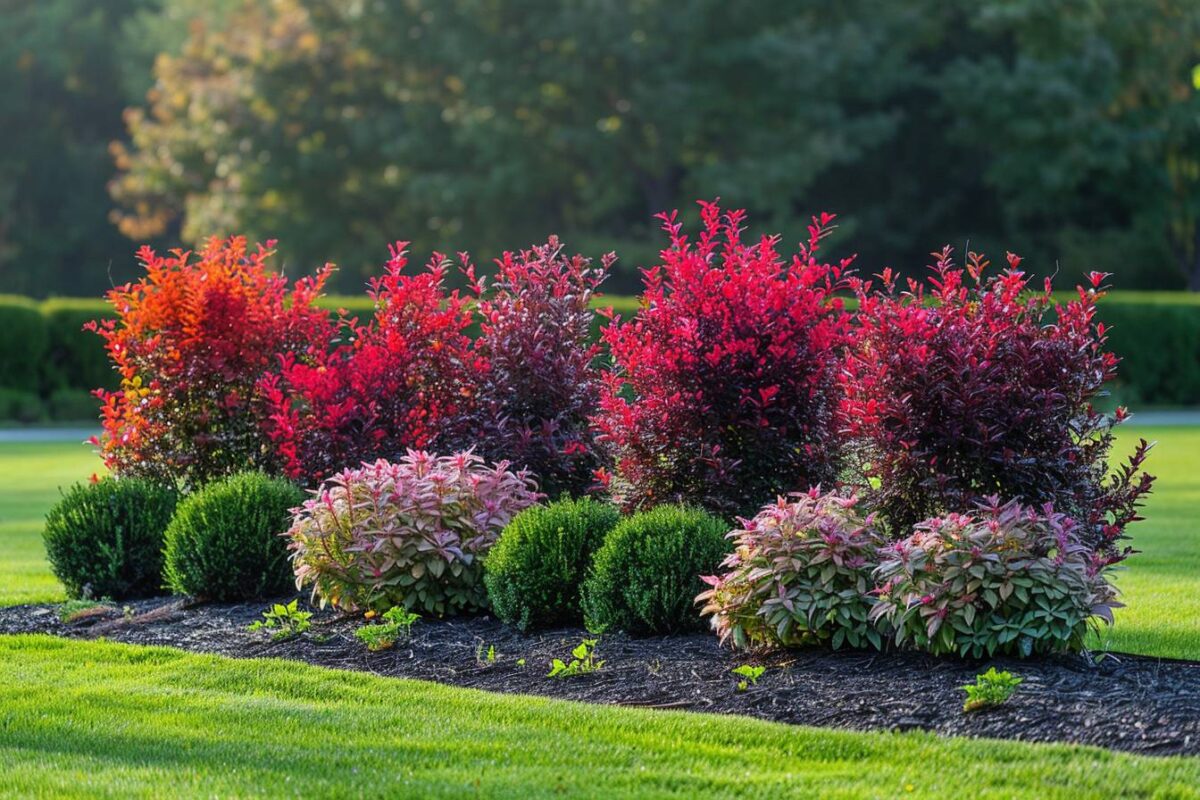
(1123, 702)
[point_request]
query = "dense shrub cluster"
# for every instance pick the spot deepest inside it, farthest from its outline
(938, 418)
(404, 380)
(724, 387)
(192, 340)
(535, 571)
(1004, 579)
(987, 388)
(800, 573)
(105, 539)
(647, 572)
(541, 386)
(410, 533)
(224, 542)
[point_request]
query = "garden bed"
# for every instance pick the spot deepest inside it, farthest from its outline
(1123, 702)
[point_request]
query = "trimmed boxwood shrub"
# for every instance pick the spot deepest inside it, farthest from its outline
(534, 572)
(105, 539)
(224, 542)
(646, 576)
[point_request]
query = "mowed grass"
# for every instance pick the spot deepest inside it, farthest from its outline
(30, 476)
(109, 720)
(1161, 585)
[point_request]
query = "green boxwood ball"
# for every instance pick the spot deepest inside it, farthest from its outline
(224, 542)
(646, 576)
(534, 572)
(105, 539)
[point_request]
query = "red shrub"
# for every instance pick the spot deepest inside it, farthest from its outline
(724, 387)
(541, 387)
(191, 340)
(402, 381)
(986, 389)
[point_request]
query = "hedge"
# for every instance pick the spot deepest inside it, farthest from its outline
(47, 360)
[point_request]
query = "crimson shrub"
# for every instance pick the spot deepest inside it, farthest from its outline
(403, 380)
(723, 391)
(986, 387)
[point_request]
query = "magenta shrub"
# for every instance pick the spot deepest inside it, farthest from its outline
(723, 392)
(406, 379)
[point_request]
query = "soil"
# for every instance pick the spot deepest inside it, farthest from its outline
(1121, 702)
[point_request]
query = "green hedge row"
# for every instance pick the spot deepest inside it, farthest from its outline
(48, 363)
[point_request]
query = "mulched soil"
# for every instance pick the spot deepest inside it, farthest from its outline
(1121, 702)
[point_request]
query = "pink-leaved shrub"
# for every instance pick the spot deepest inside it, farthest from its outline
(411, 533)
(1003, 579)
(800, 574)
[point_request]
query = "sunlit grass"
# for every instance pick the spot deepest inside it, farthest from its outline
(102, 719)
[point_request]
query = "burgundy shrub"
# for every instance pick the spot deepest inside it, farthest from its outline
(542, 385)
(986, 387)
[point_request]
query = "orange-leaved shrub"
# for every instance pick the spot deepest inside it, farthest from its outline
(192, 339)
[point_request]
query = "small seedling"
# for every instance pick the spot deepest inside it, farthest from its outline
(749, 676)
(396, 623)
(485, 658)
(520, 662)
(283, 621)
(583, 661)
(990, 689)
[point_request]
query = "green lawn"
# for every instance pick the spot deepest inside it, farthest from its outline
(1161, 585)
(102, 719)
(30, 477)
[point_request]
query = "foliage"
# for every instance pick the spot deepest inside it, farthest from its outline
(23, 343)
(68, 71)
(988, 388)
(583, 661)
(410, 533)
(646, 574)
(191, 341)
(542, 384)
(990, 689)
(534, 572)
(1005, 579)
(224, 542)
(283, 621)
(395, 623)
(800, 574)
(749, 675)
(105, 539)
(723, 392)
(404, 380)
